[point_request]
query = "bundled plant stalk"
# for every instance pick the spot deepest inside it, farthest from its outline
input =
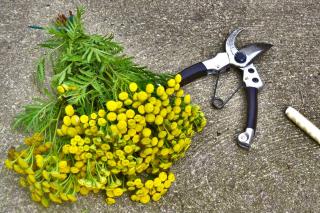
(106, 124)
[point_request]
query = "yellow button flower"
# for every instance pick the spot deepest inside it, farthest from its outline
(93, 116)
(156, 197)
(67, 120)
(136, 104)
(171, 177)
(171, 82)
(163, 112)
(111, 116)
(102, 113)
(121, 117)
(133, 87)
(177, 101)
(128, 149)
(149, 88)
(132, 132)
(136, 139)
(178, 78)
(160, 91)
(75, 120)
(142, 96)
(122, 124)
(102, 122)
(117, 192)
(150, 118)
(84, 119)
(60, 89)
(164, 152)
(170, 91)
(112, 106)
(187, 99)
(74, 170)
(177, 87)
(72, 132)
(141, 109)
(158, 120)
(149, 184)
(110, 201)
(130, 113)
(176, 109)
(123, 96)
(148, 108)
(145, 199)
(128, 102)
(177, 148)
(163, 176)
(69, 110)
(180, 93)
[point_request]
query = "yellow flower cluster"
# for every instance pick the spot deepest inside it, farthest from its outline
(150, 189)
(142, 132)
(64, 88)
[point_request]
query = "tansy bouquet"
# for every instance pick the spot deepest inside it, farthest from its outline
(106, 124)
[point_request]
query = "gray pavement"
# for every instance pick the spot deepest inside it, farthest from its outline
(281, 173)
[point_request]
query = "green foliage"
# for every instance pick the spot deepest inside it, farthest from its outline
(40, 116)
(93, 65)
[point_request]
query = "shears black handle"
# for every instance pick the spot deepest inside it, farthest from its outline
(252, 106)
(192, 73)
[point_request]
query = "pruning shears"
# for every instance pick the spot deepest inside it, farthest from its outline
(239, 58)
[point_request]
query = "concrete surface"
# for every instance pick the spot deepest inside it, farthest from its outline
(281, 173)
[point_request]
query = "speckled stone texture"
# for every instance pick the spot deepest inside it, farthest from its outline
(281, 173)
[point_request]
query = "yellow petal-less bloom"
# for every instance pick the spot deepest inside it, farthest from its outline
(130, 113)
(142, 96)
(110, 201)
(118, 192)
(102, 122)
(163, 176)
(178, 78)
(69, 110)
(93, 116)
(160, 91)
(60, 89)
(146, 132)
(112, 106)
(128, 102)
(128, 149)
(148, 107)
(74, 170)
(133, 87)
(75, 120)
(111, 116)
(179, 93)
(187, 99)
(72, 132)
(141, 109)
(84, 119)
(149, 184)
(123, 96)
(171, 83)
(149, 88)
(150, 117)
(67, 120)
(145, 199)
(156, 197)
(101, 113)
(158, 120)
(122, 116)
(122, 124)
(170, 91)
(171, 177)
